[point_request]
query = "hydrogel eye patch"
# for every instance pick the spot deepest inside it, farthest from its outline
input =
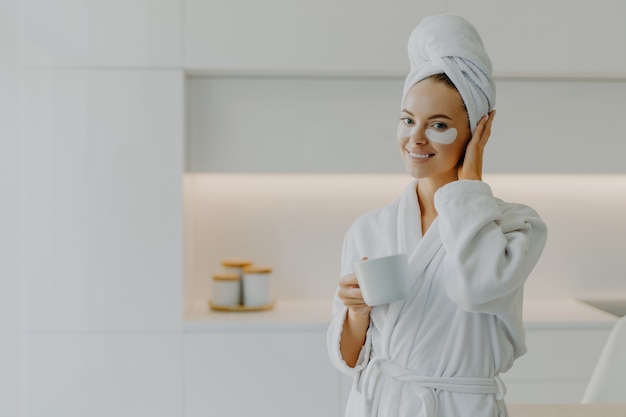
(405, 131)
(445, 138)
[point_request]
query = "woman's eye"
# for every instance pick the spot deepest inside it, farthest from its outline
(407, 121)
(440, 126)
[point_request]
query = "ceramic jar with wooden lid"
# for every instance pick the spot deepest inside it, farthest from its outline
(226, 289)
(256, 286)
(235, 266)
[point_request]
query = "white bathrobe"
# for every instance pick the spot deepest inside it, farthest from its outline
(440, 351)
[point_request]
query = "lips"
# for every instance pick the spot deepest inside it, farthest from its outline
(417, 154)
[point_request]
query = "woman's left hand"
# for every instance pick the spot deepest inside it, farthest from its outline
(472, 167)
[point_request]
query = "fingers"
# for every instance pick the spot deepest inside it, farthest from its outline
(349, 291)
(483, 129)
(349, 280)
(472, 165)
(350, 294)
(487, 126)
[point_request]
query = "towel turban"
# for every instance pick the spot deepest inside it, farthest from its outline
(450, 44)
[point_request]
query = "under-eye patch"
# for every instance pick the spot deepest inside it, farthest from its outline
(445, 137)
(405, 131)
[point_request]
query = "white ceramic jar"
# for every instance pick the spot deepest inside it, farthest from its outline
(235, 266)
(226, 290)
(256, 286)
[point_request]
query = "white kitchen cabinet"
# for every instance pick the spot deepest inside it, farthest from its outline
(102, 201)
(564, 339)
(342, 125)
(556, 38)
(259, 373)
(309, 124)
(315, 112)
(347, 36)
(102, 33)
(103, 375)
(558, 127)
(10, 189)
(557, 367)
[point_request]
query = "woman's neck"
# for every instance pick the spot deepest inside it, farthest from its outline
(426, 189)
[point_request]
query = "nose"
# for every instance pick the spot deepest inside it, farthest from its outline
(416, 133)
(418, 136)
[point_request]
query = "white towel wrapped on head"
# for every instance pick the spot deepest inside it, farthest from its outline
(450, 44)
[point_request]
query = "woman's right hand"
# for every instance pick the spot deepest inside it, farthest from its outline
(350, 294)
(354, 332)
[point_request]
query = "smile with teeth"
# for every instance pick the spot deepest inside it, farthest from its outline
(419, 155)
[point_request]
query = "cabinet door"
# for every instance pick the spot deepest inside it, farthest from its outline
(557, 127)
(557, 37)
(345, 382)
(556, 368)
(269, 374)
(102, 375)
(10, 211)
(101, 200)
(286, 35)
(343, 125)
(261, 124)
(136, 33)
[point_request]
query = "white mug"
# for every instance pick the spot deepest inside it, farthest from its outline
(383, 280)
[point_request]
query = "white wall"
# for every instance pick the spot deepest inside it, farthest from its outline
(10, 316)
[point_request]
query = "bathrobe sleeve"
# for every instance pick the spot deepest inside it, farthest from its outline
(340, 311)
(491, 246)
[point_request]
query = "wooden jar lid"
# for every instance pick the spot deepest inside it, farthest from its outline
(226, 277)
(236, 263)
(257, 270)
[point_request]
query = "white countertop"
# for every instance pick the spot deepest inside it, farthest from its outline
(567, 410)
(304, 315)
(315, 315)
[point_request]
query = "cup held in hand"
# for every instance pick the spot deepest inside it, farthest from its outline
(383, 280)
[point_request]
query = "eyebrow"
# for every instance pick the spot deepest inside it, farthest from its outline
(434, 116)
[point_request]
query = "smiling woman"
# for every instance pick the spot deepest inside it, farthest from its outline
(441, 349)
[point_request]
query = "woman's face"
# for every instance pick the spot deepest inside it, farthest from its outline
(433, 130)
